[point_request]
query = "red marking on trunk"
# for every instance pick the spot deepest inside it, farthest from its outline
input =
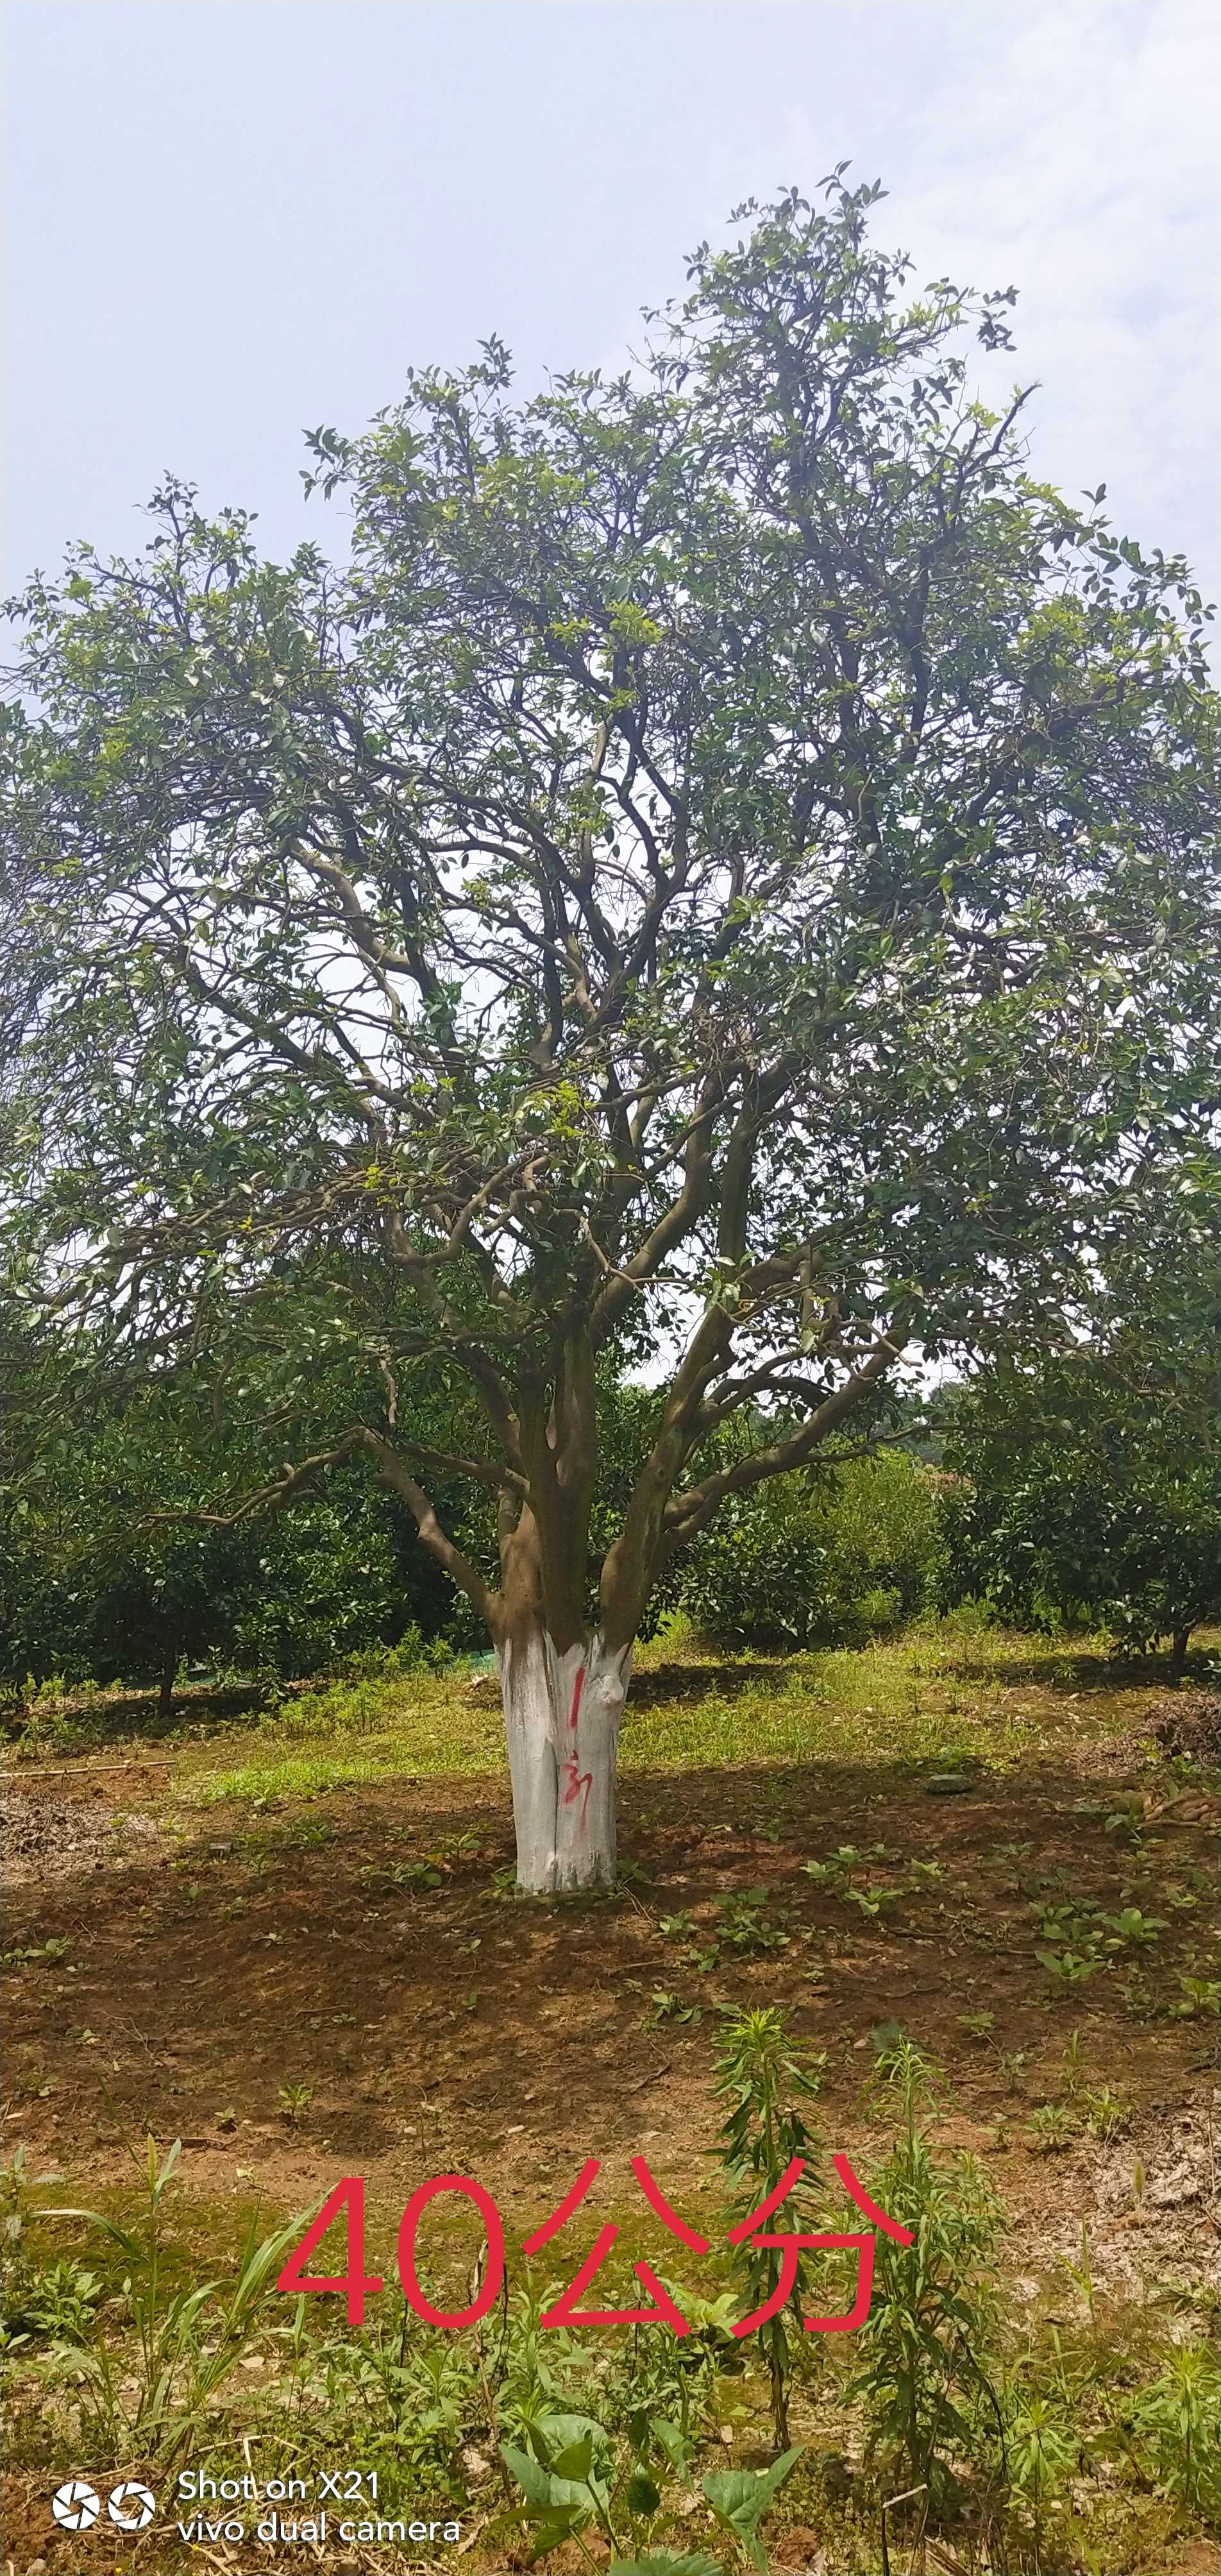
(574, 1712)
(578, 1785)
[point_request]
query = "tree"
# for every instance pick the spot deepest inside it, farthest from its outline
(1091, 1475)
(722, 870)
(829, 1558)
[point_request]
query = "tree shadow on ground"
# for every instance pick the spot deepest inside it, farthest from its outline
(366, 1946)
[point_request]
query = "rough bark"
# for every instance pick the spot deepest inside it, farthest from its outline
(562, 1710)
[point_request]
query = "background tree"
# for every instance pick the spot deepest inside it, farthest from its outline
(829, 1558)
(1091, 1476)
(724, 867)
(120, 1555)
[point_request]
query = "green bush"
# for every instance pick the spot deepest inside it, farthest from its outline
(829, 1560)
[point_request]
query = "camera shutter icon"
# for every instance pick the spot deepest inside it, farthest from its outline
(76, 2506)
(131, 2506)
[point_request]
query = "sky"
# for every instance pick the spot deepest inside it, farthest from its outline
(229, 219)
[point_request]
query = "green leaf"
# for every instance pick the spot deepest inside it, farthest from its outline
(740, 2497)
(575, 2460)
(643, 2495)
(667, 2562)
(532, 2478)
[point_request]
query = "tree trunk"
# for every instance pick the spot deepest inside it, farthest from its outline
(562, 1713)
(1178, 1654)
(169, 1675)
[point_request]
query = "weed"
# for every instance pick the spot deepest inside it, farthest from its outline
(740, 2497)
(294, 2101)
(47, 1955)
(1052, 2127)
(841, 1875)
(1104, 2113)
(1041, 2455)
(1178, 2421)
(760, 2080)
(667, 2007)
(1199, 1995)
(1067, 1970)
(48, 2301)
(744, 1926)
(149, 2403)
(934, 2316)
(405, 1873)
(1131, 1929)
(1071, 2068)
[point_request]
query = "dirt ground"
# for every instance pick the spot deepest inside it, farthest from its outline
(211, 1963)
(289, 1994)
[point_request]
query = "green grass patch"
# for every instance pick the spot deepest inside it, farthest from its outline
(943, 1693)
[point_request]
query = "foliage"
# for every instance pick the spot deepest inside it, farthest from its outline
(1177, 2419)
(827, 1561)
(118, 1559)
(1004, 2417)
(1090, 1484)
(151, 2401)
(740, 2497)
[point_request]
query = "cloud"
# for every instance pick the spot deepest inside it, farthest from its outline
(1072, 153)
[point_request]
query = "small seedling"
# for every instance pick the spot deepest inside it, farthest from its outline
(870, 1900)
(1104, 2112)
(294, 2099)
(628, 1873)
(744, 1925)
(1071, 2068)
(978, 2024)
(1067, 1969)
(50, 1953)
(407, 1873)
(1051, 2128)
(1200, 1995)
(1131, 1929)
(667, 2007)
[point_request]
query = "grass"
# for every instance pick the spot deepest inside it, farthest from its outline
(940, 1695)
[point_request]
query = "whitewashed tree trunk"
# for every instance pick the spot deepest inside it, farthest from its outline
(562, 1715)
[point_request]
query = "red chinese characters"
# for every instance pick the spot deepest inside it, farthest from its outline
(565, 2311)
(348, 2199)
(790, 2247)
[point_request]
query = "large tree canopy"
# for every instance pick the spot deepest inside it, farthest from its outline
(726, 867)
